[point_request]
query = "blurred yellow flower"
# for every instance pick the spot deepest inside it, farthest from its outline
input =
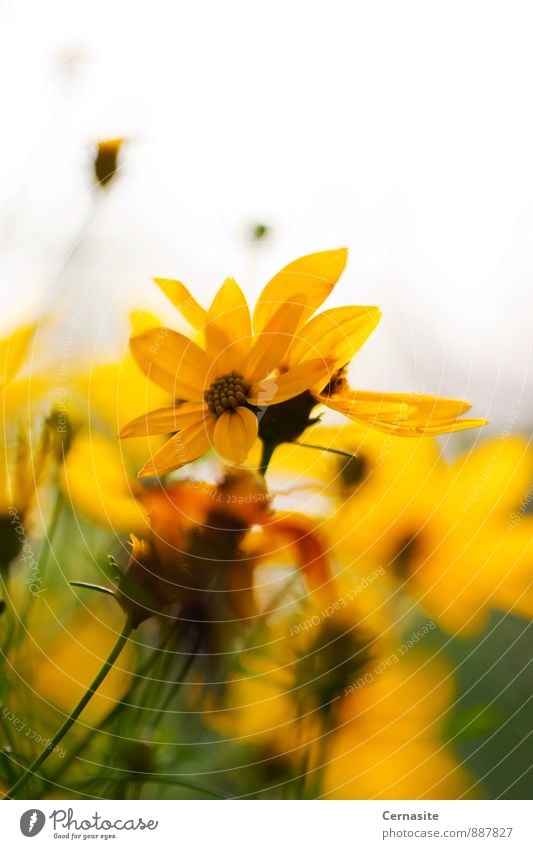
(456, 534)
(96, 481)
(352, 716)
(388, 744)
(244, 379)
(61, 671)
(98, 477)
(21, 463)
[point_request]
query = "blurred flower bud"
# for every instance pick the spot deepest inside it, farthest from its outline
(142, 589)
(106, 160)
(260, 231)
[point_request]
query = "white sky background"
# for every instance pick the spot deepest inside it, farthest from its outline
(402, 130)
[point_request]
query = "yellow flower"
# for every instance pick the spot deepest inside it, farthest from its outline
(242, 378)
(60, 670)
(388, 745)
(456, 534)
(317, 696)
(106, 160)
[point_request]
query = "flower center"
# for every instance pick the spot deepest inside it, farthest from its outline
(227, 393)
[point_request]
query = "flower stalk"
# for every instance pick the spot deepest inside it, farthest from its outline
(71, 719)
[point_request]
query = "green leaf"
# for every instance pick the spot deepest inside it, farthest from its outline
(96, 587)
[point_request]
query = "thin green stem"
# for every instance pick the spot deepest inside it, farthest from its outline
(125, 702)
(175, 686)
(40, 568)
(71, 719)
(153, 778)
(327, 449)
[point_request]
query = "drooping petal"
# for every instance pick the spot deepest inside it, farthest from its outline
(172, 361)
(354, 408)
(291, 383)
(404, 415)
(184, 447)
(427, 405)
(181, 298)
(337, 333)
(307, 280)
(270, 347)
(228, 329)
(235, 433)
(436, 429)
(165, 420)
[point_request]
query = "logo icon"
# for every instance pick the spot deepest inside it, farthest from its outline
(32, 822)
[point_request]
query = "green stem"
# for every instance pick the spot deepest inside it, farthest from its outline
(16, 632)
(175, 686)
(117, 710)
(153, 778)
(44, 553)
(267, 450)
(327, 449)
(71, 719)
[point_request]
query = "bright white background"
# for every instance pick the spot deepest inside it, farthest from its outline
(401, 129)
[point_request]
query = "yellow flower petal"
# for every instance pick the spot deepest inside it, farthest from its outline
(337, 333)
(181, 298)
(307, 280)
(404, 415)
(358, 410)
(13, 351)
(228, 329)
(187, 445)
(142, 320)
(165, 420)
(172, 361)
(291, 383)
(271, 345)
(443, 427)
(235, 433)
(428, 406)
